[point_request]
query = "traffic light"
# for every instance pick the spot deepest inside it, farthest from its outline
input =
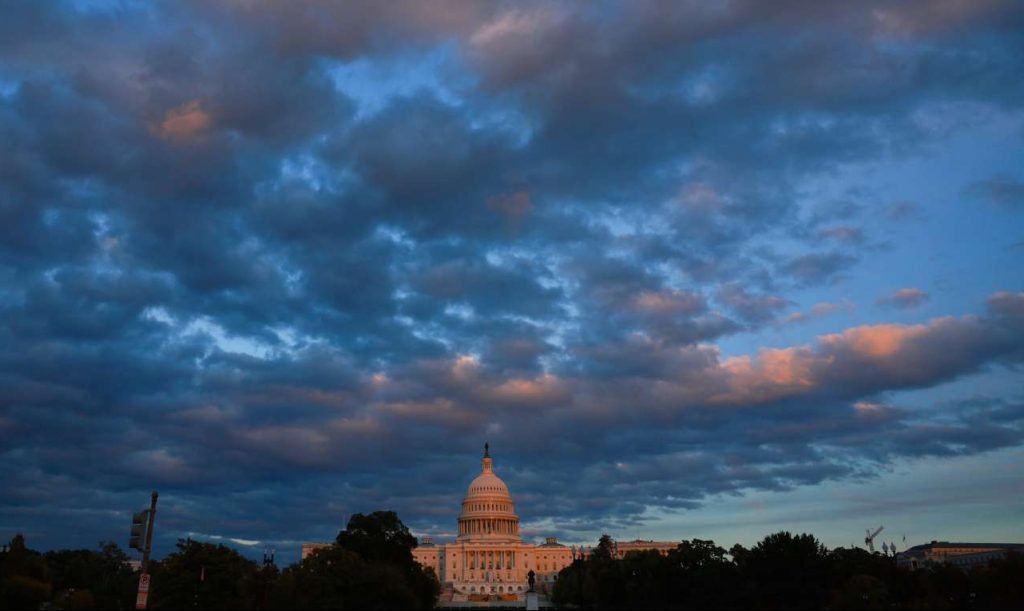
(138, 534)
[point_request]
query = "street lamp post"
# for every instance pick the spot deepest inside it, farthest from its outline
(142, 530)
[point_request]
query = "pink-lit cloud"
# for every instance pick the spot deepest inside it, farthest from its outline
(184, 123)
(544, 390)
(904, 298)
(669, 302)
(819, 310)
(513, 206)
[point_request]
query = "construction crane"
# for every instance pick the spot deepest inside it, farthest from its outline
(870, 539)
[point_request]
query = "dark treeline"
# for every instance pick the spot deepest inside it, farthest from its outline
(370, 566)
(66, 579)
(783, 571)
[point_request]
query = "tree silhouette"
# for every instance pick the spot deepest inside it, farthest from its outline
(378, 537)
(789, 571)
(204, 576)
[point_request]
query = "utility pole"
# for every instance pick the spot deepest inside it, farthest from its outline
(143, 596)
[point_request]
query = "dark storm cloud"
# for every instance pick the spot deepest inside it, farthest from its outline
(221, 275)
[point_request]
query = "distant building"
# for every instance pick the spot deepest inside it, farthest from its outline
(309, 548)
(963, 555)
(639, 545)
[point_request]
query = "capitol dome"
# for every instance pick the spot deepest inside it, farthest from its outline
(487, 510)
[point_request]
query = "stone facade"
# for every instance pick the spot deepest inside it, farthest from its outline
(963, 555)
(309, 548)
(641, 545)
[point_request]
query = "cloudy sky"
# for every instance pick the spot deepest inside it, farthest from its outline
(693, 270)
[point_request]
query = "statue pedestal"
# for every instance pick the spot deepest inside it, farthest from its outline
(531, 601)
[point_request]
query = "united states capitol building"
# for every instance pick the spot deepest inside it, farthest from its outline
(488, 557)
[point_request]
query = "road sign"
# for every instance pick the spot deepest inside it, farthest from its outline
(140, 600)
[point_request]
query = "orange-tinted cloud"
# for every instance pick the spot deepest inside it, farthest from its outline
(875, 341)
(513, 206)
(184, 123)
(870, 358)
(701, 196)
(668, 302)
(913, 18)
(543, 390)
(773, 374)
(818, 310)
(904, 298)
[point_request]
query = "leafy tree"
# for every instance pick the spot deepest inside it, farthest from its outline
(739, 554)
(326, 579)
(605, 576)
(204, 576)
(24, 577)
(605, 550)
(370, 566)
(76, 599)
(267, 578)
(692, 556)
(569, 588)
(382, 540)
(862, 592)
(89, 578)
(378, 537)
(337, 578)
(647, 576)
(1000, 585)
(702, 576)
(788, 571)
